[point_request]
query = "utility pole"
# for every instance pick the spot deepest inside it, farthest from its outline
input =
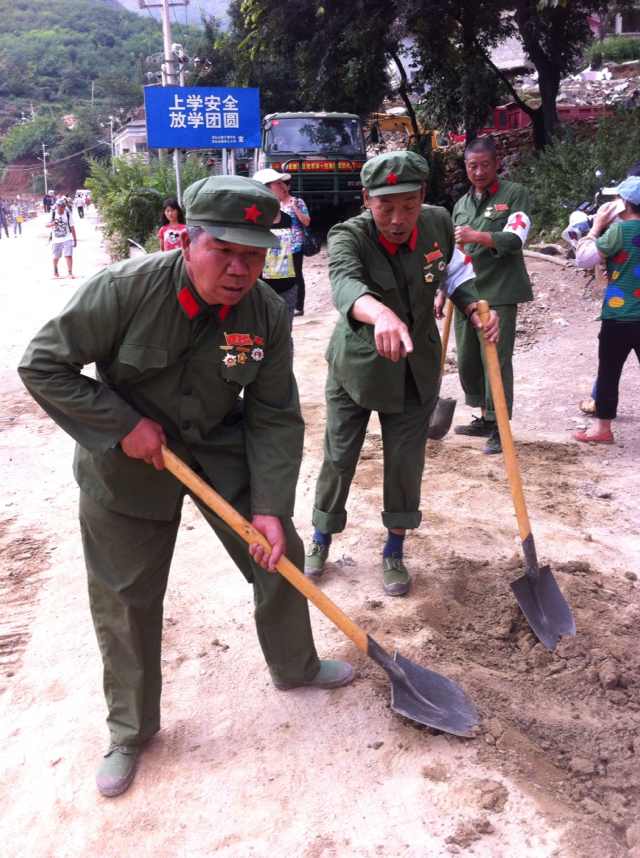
(44, 168)
(169, 76)
(113, 151)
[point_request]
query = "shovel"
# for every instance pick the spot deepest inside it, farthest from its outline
(416, 693)
(442, 415)
(537, 592)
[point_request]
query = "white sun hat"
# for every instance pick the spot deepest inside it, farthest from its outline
(268, 175)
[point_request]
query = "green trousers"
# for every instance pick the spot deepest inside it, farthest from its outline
(128, 563)
(471, 367)
(404, 437)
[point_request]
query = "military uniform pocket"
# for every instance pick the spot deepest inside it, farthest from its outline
(134, 360)
(240, 374)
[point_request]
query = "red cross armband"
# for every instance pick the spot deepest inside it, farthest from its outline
(520, 224)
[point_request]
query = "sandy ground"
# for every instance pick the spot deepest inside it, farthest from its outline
(240, 769)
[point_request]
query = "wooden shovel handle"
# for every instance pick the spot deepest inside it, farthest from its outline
(446, 330)
(504, 426)
(247, 531)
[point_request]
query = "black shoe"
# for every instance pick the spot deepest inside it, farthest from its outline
(479, 427)
(493, 444)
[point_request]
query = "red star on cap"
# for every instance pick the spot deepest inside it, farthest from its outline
(392, 179)
(252, 213)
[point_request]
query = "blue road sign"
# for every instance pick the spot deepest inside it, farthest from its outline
(202, 117)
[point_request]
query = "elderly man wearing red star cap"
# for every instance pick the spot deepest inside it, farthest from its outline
(386, 266)
(193, 352)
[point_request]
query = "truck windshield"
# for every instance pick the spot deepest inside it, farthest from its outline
(315, 135)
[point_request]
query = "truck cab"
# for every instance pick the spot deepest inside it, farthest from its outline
(323, 153)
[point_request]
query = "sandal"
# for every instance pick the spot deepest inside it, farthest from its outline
(603, 438)
(587, 406)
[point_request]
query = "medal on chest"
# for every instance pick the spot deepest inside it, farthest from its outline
(430, 259)
(241, 348)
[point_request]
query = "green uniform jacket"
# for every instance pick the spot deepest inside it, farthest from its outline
(501, 275)
(406, 283)
(162, 353)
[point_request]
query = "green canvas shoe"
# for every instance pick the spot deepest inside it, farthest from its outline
(395, 576)
(493, 444)
(332, 674)
(117, 770)
(315, 559)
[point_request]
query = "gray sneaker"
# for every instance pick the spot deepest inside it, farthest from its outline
(315, 559)
(395, 576)
(117, 770)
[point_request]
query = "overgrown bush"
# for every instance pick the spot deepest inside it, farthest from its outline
(617, 49)
(130, 197)
(564, 174)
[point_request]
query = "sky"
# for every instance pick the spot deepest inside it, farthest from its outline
(190, 15)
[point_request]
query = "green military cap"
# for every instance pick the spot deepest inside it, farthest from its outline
(233, 209)
(394, 173)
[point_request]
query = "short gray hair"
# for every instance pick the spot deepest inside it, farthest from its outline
(194, 233)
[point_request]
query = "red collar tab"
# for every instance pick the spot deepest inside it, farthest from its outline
(252, 213)
(392, 248)
(392, 179)
(193, 309)
(188, 303)
(494, 188)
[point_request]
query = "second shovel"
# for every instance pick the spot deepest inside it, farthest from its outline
(540, 599)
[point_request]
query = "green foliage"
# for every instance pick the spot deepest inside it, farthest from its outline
(25, 140)
(617, 49)
(53, 51)
(563, 175)
(130, 197)
(310, 55)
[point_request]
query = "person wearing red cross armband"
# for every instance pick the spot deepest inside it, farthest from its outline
(491, 224)
(192, 352)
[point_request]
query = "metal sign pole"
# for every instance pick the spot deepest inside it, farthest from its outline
(170, 77)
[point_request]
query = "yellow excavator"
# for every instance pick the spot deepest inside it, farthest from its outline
(400, 123)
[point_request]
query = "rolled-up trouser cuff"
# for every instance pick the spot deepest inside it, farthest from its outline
(474, 400)
(408, 520)
(329, 522)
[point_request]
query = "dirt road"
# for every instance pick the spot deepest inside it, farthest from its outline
(240, 769)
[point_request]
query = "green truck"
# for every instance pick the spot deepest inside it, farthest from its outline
(323, 153)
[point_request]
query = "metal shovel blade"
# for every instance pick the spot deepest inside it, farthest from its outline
(424, 696)
(544, 606)
(441, 419)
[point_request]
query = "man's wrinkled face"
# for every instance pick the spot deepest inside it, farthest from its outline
(222, 272)
(482, 169)
(395, 215)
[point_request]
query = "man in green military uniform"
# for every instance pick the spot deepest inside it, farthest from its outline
(492, 222)
(385, 267)
(176, 338)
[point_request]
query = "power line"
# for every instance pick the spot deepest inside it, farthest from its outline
(36, 167)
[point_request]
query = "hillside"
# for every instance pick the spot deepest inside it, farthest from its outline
(68, 51)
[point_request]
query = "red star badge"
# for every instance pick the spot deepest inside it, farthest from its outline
(392, 179)
(252, 213)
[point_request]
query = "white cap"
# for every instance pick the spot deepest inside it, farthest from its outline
(268, 175)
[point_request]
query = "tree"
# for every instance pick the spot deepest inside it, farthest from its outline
(25, 139)
(450, 40)
(333, 54)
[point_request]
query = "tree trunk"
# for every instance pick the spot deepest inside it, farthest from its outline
(545, 118)
(468, 45)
